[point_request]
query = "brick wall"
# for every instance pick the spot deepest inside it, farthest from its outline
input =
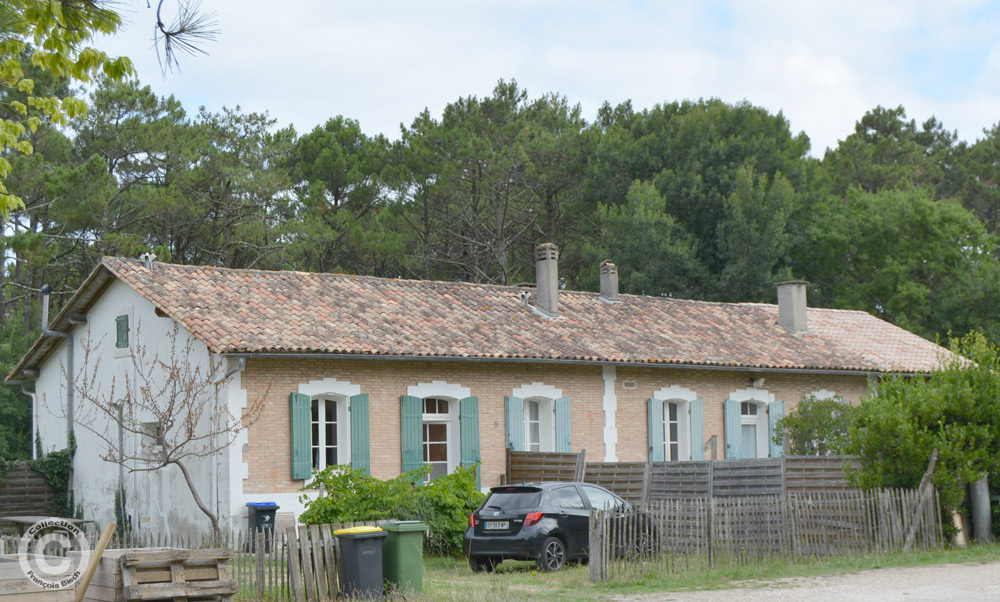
(385, 381)
(268, 450)
(714, 387)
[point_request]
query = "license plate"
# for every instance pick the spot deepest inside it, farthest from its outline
(497, 524)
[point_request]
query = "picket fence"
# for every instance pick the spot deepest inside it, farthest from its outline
(296, 564)
(674, 535)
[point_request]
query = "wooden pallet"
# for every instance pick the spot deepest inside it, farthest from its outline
(15, 586)
(133, 575)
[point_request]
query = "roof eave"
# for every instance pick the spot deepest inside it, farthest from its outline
(95, 282)
(582, 362)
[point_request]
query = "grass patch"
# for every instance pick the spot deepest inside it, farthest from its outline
(447, 579)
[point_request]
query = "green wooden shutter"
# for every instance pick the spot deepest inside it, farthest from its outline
(515, 422)
(121, 331)
(360, 454)
(775, 412)
(411, 423)
(734, 430)
(697, 409)
(468, 421)
(301, 414)
(654, 413)
(564, 427)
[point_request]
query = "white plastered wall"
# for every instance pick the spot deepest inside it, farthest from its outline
(160, 500)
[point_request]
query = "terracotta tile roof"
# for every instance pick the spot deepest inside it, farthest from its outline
(252, 311)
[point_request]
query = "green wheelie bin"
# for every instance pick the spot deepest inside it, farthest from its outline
(403, 555)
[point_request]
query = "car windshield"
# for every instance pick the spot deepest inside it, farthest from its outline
(523, 499)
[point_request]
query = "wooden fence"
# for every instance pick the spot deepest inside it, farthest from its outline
(660, 481)
(643, 482)
(674, 534)
(297, 564)
(24, 492)
(527, 467)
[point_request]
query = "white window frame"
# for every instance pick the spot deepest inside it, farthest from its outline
(453, 394)
(340, 392)
(762, 398)
(546, 424)
(682, 398)
(319, 402)
(545, 396)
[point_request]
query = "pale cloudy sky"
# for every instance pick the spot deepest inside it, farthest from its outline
(383, 61)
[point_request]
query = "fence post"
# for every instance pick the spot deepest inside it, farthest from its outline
(259, 558)
(923, 493)
(646, 478)
(596, 545)
(295, 577)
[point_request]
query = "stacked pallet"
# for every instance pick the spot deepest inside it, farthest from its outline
(146, 575)
(15, 586)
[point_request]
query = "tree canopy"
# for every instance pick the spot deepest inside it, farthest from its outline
(697, 199)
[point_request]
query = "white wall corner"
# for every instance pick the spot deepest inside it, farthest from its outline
(239, 471)
(610, 402)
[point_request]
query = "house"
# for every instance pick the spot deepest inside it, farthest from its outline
(388, 374)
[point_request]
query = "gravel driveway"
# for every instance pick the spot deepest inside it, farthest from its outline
(949, 582)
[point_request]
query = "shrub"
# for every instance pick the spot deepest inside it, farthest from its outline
(955, 410)
(352, 495)
(817, 427)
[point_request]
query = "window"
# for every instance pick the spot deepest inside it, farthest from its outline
(533, 426)
(567, 497)
(324, 433)
(538, 419)
(439, 427)
(152, 435)
(436, 436)
(603, 500)
(329, 426)
(676, 425)
(754, 431)
(671, 433)
(750, 417)
(121, 332)
(539, 425)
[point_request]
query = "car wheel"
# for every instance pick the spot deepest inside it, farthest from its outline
(483, 564)
(553, 555)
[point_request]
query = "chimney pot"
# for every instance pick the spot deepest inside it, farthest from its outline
(609, 281)
(547, 278)
(792, 306)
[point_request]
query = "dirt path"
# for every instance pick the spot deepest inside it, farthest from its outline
(948, 582)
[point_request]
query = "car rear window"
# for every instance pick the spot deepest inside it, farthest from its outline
(522, 499)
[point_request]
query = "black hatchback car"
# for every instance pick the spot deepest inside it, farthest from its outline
(545, 522)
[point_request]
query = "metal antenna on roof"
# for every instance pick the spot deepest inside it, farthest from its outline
(148, 258)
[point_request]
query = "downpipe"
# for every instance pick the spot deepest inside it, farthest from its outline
(46, 291)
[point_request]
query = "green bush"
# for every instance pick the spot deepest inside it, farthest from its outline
(817, 427)
(955, 410)
(443, 504)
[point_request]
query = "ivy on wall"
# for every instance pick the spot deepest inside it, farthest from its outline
(56, 467)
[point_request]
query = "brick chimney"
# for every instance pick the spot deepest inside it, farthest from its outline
(792, 306)
(609, 281)
(547, 279)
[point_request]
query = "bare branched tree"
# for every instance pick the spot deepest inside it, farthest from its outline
(163, 411)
